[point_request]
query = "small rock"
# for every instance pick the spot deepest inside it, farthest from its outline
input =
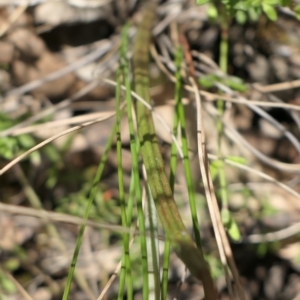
(269, 130)
(280, 67)
(6, 52)
(259, 69)
(27, 43)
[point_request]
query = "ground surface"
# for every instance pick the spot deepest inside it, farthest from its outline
(53, 56)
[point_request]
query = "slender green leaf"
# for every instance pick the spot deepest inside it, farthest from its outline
(173, 166)
(233, 230)
(202, 2)
(269, 11)
(134, 147)
(237, 159)
(91, 198)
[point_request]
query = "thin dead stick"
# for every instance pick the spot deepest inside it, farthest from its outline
(274, 236)
(65, 103)
(203, 170)
(57, 123)
(281, 234)
(235, 136)
(213, 97)
(266, 116)
(259, 173)
(57, 217)
(202, 160)
(264, 89)
(47, 141)
(253, 105)
(278, 86)
(64, 218)
(221, 237)
(207, 60)
(201, 151)
(94, 55)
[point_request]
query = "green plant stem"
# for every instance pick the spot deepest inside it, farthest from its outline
(224, 43)
(126, 269)
(152, 246)
(157, 177)
(134, 146)
(220, 106)
(185, 148)
(173, 167)
(91, 198)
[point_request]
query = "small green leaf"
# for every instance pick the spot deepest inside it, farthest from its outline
(201, 2)
(214, 168)
(226, 217)
(5, 121)
(234, 231)
(296, 9)
(269, 11)
(8, 285)
(272, 2)
(262, 249)
(241, 17)
(8, 147)
(52, 153)
(12, 264)
(206, 82)
(254, 3)
(35, 158)
(254, 13)
(51, 181)
(235, 83)
(26, 141)
(241, 5)
(212, 12)
(237, 159)
(213, 172)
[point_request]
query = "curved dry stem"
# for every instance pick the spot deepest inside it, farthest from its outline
(57, 123)
(221, 237)
(259, 173)
(44, 113)
(58, 217)
(56, 136)
(105, 46)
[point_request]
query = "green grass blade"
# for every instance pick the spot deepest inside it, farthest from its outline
(126, 269)
(157, 178)
(152, 247)
(165, 273)
(130, 203)
(186, 161)
(135, 161)
(87, 212)
(173, 167)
